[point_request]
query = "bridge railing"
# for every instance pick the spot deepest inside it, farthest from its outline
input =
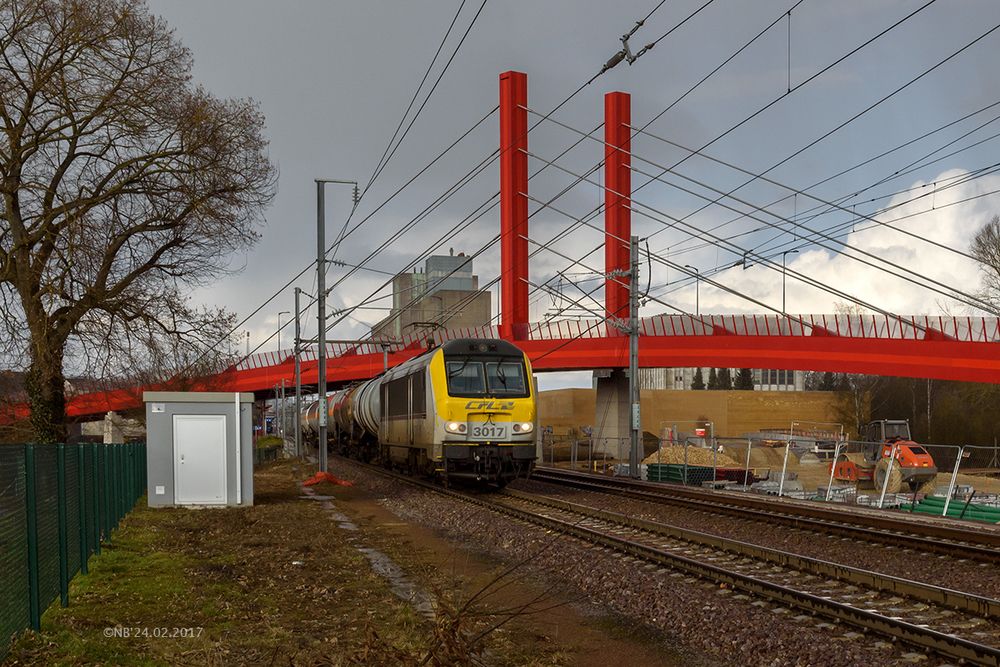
(870, 326)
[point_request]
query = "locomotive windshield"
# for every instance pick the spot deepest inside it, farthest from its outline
(473, 377)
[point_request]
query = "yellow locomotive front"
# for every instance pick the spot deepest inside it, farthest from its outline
(485, 421)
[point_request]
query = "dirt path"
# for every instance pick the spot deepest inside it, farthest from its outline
(285, 583)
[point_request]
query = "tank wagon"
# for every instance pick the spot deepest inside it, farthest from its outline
(463, 410)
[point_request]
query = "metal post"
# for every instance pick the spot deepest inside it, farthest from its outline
(513, 203)
(61, 517)
(31, 509)
(633, 359)
(888, 474)
(783, 255)
(954, 476)
(746, 470)
(715, 453)
(81, 500)
(784, 467)
(685, 459)
(95, 495)
(833, 464)
(282, 412)
(298, 376)
(321, 319)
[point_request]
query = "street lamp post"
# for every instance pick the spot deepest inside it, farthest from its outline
(321, 307)
(783, 255)
(284, 312)
(697, 288)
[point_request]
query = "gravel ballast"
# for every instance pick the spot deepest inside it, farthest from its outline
(961, 575)
(733, 628)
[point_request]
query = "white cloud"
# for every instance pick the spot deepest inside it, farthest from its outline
(937, 219)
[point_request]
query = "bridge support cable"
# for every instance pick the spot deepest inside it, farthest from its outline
(850, 120)
(823, 202)
(764, 262)
(954, 293)
(896, 173)
(836, 228)
(896, 271)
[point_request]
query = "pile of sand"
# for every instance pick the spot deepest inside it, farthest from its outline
(696, 456)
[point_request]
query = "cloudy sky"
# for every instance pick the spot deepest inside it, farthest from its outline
(334, 78)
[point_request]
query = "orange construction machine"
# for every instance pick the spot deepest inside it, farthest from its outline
(913, 465)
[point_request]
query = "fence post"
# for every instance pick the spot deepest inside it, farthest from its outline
(106, 491)
(119, 486)
(746, 470)
(81, 497)
(31, 512)
(61, 513)
(95, 499)
(685, 461)
(833, 464)
(715, 461)
(954, 476)
(784, 467)
(888, 474)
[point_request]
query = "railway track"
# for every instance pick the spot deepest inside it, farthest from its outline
(952, 624)
(881, 529)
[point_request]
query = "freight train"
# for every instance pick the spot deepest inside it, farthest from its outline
(463, 410)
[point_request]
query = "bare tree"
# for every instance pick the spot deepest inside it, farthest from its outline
(123, 186)
(986, 249)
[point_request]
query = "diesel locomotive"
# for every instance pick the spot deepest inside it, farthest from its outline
(463, 410)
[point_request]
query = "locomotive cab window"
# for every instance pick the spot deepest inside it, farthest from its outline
(465, 378)
(473, 378)
(505, 378)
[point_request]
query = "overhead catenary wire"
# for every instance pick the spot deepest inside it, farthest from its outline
(898, 172)
(416, 93)
(733, 248)
(877, 264)
(837, 128)
(587, 83)
(798, 86)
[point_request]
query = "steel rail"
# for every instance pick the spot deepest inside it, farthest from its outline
(920, 536)
(929, 593)
(898, 629)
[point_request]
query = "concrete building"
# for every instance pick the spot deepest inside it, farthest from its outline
(764, 379)
(444, 294)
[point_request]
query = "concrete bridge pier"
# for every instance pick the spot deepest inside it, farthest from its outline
(113, 434)
(612, 418)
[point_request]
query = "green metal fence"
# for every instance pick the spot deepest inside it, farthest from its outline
(57, 504)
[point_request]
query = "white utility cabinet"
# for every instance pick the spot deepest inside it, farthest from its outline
(199, 448)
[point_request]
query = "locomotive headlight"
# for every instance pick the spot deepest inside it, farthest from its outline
(523, 427)
(455, 427)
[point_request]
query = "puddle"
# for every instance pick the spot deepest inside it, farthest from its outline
(342, 520)
(400, 585)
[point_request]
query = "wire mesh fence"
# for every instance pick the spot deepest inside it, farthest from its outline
(57, 504)
(942, 480)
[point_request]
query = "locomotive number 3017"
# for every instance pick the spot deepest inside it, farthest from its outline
(488, 432)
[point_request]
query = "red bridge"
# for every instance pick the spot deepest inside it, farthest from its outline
(949, 348)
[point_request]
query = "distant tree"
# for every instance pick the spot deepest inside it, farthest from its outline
(713, 379)
(744, 380)
(122, 187)
(699, 380)
(828, 383)
(725, 379)
(986, 248)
